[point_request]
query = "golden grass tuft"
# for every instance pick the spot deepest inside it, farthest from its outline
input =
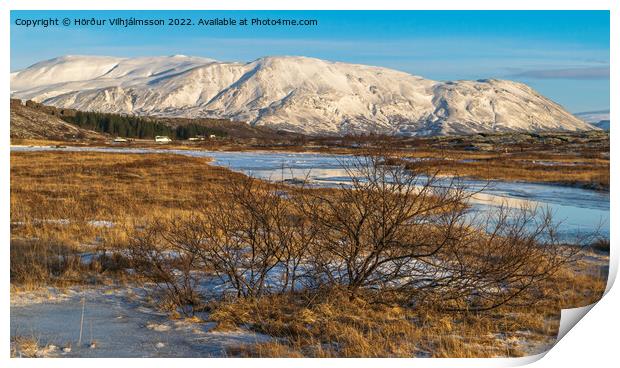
(331, 325)
(25, 347)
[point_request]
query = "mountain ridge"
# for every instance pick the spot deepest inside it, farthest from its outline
(291, 93)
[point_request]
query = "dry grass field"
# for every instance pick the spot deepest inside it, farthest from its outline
(64, 202)
(537, 168)
(333, 326)
(61, 202)
(572, 160)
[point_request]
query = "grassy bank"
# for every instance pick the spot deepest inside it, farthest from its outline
(570, 159)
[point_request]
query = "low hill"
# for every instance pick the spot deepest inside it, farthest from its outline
(29, 121)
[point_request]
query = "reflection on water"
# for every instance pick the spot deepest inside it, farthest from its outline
(576, 210)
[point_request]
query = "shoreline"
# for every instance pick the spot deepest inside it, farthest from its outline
(156, 148)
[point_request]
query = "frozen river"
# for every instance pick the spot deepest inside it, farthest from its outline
(576, 210)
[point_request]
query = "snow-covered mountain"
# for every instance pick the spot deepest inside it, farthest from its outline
(297, 94)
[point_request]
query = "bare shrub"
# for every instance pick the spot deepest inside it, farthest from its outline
(374, 229)
(503, 258)
(407, 233)
(394, 234)
(249, 237)
(253, 239)
(162, 253)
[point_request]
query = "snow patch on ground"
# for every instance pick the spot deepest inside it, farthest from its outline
(118, 322)
(101, 223)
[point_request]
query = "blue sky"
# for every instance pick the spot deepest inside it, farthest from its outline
(562, 54)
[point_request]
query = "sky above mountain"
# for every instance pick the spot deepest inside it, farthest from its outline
(562, 54)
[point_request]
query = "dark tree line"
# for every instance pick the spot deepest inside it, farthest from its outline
(135, 126)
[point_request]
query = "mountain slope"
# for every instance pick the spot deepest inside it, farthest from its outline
(599, 118)
(295, 94)
(32, 122)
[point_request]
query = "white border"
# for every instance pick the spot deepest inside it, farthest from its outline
(592, 343)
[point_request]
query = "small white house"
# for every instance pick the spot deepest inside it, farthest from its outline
(162, 139)
(120, 140)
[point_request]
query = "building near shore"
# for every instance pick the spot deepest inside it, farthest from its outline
(162, 139)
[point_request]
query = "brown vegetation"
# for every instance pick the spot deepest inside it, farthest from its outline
(331, 325)
(25, 347)
(573, 171)
(58, 197)
(393, 266)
